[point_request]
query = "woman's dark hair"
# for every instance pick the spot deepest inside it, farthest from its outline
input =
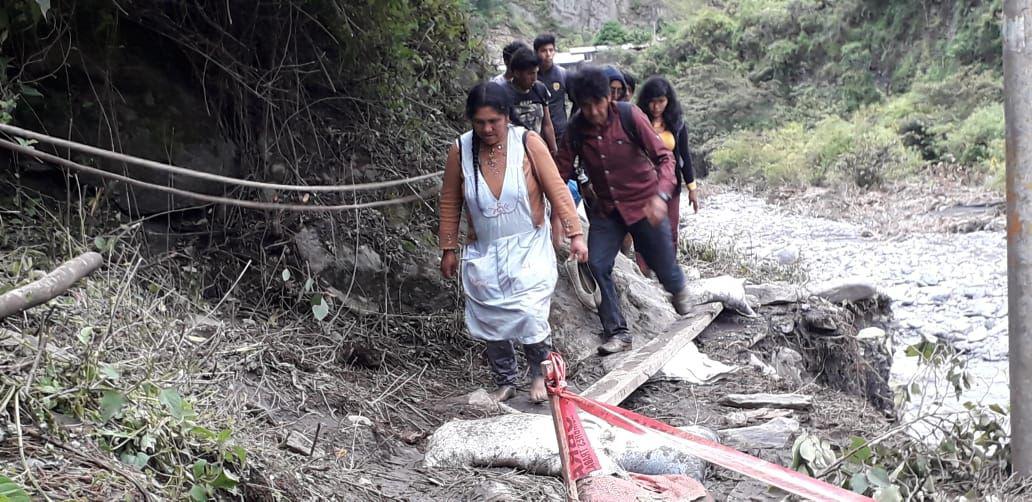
(484, 94)
(590, 83)
(524, 59)
(488, 94)
(659, 87)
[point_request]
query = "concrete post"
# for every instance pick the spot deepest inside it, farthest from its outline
(1017, 83)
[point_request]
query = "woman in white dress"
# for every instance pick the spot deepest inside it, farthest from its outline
(502, 176)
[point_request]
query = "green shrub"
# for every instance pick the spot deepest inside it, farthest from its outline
(612, 33)
(978, 140)
(835, 151)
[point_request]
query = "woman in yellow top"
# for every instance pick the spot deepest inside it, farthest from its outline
(659, 102)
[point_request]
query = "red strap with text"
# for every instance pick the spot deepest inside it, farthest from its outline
(711, 451)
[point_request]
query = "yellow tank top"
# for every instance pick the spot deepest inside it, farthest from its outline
(666, 136)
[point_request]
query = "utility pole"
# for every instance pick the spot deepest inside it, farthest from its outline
(1017, 87)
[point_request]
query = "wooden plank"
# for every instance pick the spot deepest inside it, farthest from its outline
(640, 364)
(786, 401)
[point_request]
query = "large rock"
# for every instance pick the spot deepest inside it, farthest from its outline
(774, 434)
(646, 307)
(527, 441)
(776, 293)
(846, 290)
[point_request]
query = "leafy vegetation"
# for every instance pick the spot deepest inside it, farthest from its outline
(860, 91)
(934, 451)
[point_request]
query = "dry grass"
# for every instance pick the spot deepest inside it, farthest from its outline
(219, 327)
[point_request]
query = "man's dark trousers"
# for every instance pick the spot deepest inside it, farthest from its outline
(605, 235)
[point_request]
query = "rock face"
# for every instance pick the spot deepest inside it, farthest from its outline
(590, 15)
(153, 114)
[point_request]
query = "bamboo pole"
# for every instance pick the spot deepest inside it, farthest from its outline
(560, 435)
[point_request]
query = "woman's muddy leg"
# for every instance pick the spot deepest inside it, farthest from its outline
(536, 354)
(502, 357)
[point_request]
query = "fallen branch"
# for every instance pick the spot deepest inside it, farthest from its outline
(54, 284)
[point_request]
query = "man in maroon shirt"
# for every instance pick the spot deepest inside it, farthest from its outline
(632, 177)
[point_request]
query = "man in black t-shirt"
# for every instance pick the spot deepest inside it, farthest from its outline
(554, 78)
(529, 97)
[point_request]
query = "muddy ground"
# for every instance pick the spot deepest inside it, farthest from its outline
(368, 388)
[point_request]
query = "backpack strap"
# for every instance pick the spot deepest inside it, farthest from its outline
(627, 122)
(533, 166)
(458, 143)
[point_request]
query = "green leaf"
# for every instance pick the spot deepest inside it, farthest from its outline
(202, 432)
(198, 469)
(285, 275)
(888, 494)
(111, 404)
(44, 6)
(859, 483)
(138, 460)
(912, 351)
(808, 450)
(225, 480)
(224, 435)
(239, 454)
(863, 452)
(85, 334)
(30, 92)
(321, 309)
(148, 442)
(109, 372)
(174, 402)
(879, 477)
(198, 493)
(997, 408)
(11, 491)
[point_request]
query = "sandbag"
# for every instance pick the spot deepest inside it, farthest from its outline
(527, 441)
(724, 289)
(641, 488)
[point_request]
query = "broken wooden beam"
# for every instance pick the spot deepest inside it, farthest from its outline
(51, 285)
(787, 401)
(640, 364)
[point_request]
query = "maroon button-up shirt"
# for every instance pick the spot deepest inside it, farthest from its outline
(625, 177)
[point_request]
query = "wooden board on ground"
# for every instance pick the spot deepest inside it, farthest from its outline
(640, 364)
(788, 401)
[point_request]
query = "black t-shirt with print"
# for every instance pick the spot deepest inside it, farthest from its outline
(528, 108)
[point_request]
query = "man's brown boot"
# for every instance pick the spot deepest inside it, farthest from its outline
(683, 302)
(613, 346)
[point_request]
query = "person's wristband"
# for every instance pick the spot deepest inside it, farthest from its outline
(692, 187)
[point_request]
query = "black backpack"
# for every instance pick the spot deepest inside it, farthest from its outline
(626, 121)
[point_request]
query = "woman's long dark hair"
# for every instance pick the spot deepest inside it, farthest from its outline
(491, 95)
(658, 87)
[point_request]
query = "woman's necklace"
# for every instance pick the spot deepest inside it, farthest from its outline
(492, 161)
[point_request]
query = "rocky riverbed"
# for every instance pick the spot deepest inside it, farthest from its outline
(945, 286)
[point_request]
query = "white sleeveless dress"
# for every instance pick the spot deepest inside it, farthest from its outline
(509, 273)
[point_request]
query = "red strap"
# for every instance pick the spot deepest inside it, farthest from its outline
(711, 451)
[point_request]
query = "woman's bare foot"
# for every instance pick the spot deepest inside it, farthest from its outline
(504, 393)
(538, 394)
